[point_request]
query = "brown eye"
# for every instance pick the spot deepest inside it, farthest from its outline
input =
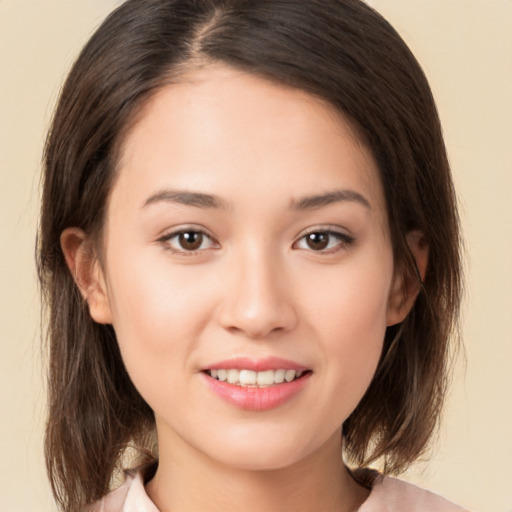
(317, 241)
(325, 242)
(190, 240)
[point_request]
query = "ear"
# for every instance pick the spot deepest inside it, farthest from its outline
(86, 270)
(406, 284)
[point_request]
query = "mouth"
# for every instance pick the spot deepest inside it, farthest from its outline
(257, 384)
(255, 379)
(254, 390)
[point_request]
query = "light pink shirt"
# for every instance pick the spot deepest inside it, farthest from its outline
(387, 495)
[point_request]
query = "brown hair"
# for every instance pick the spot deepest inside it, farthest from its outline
(339, 50)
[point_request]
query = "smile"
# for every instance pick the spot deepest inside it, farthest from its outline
(254, 386)
(250, 378)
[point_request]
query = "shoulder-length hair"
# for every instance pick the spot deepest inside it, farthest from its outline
(339, 50)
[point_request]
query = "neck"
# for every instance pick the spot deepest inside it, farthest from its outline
(193, 482)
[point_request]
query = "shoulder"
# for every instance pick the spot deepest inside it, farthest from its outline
(130, 496)
(387, 495)
(393, 495)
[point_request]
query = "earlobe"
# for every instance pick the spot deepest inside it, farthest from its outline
(406, 284)
(87, 273)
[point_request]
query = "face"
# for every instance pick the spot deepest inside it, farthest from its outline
(247, 268)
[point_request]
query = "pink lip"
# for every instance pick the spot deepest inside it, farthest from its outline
(256, 365)
(254, 398)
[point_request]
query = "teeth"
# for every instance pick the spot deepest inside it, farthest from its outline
(247, 378)
(233, 376)
(279, 378)
(289, 375)
(266, 378)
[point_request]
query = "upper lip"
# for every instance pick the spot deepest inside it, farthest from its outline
(256, 365)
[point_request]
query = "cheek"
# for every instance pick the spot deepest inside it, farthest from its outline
(350, 304)
(154, 311)
(355, 343)
(351, 322)
(147, 292)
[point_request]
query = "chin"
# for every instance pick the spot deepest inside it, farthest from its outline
(267, 450)
(260, 460)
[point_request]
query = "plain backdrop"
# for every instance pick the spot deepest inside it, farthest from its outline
(465, 47)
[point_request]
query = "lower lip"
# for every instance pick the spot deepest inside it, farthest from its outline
(254, 398)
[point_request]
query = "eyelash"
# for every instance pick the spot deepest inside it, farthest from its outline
(166, 240)
(344, 241)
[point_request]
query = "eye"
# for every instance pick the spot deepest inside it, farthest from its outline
(326, 241)
(187, 241)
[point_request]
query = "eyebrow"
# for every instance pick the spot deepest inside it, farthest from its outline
(208, 201)
(334, 196)
(184, 197)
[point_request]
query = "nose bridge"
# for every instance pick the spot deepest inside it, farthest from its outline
(257, 299)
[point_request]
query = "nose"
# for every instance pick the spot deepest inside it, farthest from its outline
(258, 299)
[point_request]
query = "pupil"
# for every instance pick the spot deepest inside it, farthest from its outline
(191, 240)
(318, 241)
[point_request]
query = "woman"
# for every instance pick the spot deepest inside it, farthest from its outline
(249, 244)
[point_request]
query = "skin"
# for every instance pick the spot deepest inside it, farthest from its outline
(254, 288)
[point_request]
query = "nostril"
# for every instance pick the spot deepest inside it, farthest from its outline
(256, 310)
(255, 332)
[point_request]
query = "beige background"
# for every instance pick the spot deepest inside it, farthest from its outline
(466, 49)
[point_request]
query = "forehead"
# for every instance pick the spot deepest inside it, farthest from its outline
(218, 124)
